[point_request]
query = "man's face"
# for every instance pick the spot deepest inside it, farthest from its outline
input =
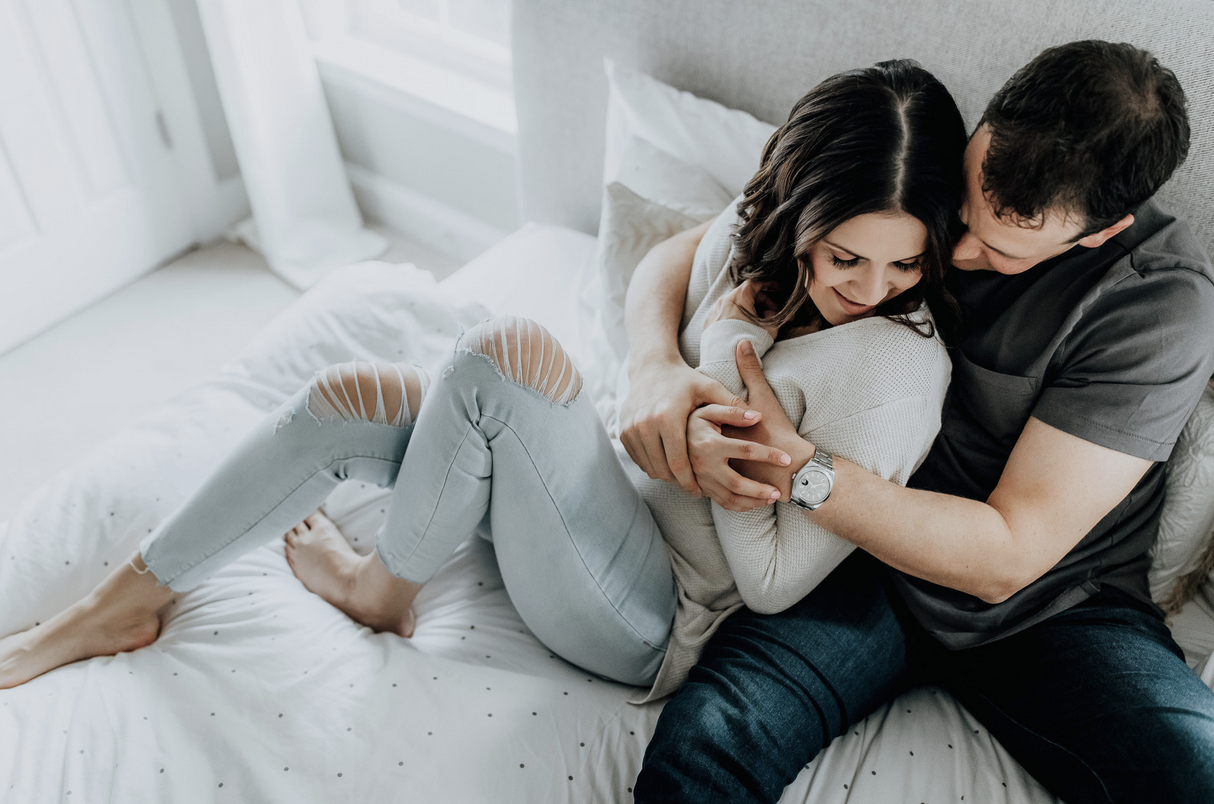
(995, 244)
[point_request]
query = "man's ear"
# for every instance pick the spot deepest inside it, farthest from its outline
(1098, 239)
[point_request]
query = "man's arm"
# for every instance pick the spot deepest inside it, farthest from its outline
(1055, 488)
(663, 389)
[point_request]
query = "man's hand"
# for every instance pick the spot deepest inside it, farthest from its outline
(653, 417)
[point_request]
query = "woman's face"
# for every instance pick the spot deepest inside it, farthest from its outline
(865, 261)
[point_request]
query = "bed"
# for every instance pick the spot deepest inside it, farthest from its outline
(259, 691)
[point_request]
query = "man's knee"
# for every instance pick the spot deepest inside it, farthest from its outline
(384, 393)
(710, 746)
(526, 353)
(1181, 742)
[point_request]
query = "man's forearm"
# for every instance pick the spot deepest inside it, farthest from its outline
(653, 307)
(951, 541)
(663, 390)
(1055, 487)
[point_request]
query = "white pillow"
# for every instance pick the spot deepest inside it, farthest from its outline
(725, 142)
(673, 160)
(1187, 519)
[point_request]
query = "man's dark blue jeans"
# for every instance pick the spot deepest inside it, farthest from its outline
(1096, 702)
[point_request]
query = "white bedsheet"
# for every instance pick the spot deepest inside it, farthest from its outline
(259, 691)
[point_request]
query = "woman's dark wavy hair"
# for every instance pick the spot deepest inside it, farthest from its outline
(888, 138)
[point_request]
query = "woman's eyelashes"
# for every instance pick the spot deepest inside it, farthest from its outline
(839, 262)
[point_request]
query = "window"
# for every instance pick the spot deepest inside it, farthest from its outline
(466, 36)
(462, 23)
(453, 54)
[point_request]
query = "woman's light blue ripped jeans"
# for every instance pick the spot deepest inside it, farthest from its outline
(503, 438)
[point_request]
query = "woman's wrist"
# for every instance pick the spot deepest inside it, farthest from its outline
(801, 452)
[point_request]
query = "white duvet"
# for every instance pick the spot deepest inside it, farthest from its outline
(259, 691)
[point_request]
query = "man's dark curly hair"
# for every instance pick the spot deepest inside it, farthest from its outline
(1091, 129)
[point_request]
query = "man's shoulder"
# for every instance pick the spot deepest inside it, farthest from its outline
(1162, 246)
(1156, 265)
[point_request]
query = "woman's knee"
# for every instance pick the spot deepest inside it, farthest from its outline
(526, 353)
(383, 393)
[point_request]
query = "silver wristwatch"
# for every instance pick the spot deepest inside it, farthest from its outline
(812, 485)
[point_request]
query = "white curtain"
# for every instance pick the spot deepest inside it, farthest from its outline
(305, 221)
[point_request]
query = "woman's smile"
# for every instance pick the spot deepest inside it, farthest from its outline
(850, 307)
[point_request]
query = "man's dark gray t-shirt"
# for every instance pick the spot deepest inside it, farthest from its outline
(1113, 345)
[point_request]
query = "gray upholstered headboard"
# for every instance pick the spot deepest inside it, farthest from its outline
(761, 55)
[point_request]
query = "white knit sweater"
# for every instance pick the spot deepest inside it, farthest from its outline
(869, 391)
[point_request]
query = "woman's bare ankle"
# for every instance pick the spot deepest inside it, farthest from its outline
(360, 586)
(121, 614)
(384, 601)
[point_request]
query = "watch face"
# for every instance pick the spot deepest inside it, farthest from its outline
(813, 487)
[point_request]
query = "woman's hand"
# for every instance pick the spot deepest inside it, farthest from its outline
(778, 432)
(712, 450)
(745, 298)
(739, 461)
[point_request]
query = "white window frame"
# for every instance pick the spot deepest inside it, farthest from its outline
(383, 20)
(375, 45)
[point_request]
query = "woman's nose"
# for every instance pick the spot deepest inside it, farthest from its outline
(872, 287)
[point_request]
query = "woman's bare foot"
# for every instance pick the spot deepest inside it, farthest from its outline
(121, 614)
(361, 586)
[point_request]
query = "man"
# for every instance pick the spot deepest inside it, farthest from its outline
(1012, 569)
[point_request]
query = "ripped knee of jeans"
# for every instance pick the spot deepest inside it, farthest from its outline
(382, 393)
(526, 353)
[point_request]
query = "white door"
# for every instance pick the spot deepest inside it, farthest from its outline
(88, 193)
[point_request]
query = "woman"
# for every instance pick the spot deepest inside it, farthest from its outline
(841, 237)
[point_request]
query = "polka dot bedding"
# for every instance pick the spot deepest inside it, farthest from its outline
(257, 690)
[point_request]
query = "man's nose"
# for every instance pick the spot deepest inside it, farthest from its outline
(967, 248)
